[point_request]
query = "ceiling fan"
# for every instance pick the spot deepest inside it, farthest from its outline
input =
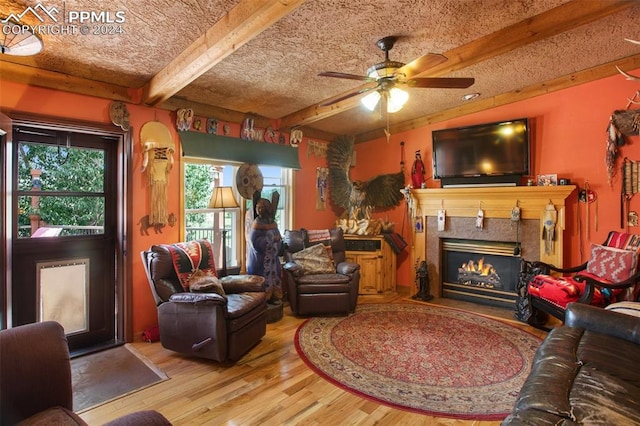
(384, 79)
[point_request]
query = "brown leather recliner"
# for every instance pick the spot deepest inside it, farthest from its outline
(35, 380)
(325, 293)
(207, 325)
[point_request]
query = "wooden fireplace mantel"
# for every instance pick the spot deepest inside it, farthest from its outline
(496, 202)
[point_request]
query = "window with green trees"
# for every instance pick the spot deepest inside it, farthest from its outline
(201, 177)
(61, 187)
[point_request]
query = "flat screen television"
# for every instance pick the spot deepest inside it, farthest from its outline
(484, 154)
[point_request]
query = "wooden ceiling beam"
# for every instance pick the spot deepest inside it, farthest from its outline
(581, 77)
(245, 21)
(547, 24)
(39, 77)
(565, 17)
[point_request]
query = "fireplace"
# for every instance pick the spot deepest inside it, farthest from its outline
(461, 206)
(480, 271)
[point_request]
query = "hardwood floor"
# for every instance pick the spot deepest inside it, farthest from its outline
(270, 385)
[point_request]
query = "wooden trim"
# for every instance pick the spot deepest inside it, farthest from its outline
(39, 77)
(57, 123)
(496, 202)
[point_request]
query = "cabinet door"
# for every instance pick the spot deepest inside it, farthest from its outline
(370, 273)
(388, 280)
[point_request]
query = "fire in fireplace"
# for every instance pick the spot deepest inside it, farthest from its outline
(480, 271)
(478, 274)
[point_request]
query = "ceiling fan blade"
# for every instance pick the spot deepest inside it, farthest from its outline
(345, 75)
(362, 90)
(441, 82)
(421, 64)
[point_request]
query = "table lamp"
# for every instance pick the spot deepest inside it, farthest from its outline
(222, 198)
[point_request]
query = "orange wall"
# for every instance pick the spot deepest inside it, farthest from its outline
(569, 139)
(30, 99)
(36, 100)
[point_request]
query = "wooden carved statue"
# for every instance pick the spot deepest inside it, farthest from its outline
(265, 242)
(157, 151)
(422, 279)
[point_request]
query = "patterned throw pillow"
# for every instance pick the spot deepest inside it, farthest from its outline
(201, 282)
(314, 260)
(612, 264)
(315, 236)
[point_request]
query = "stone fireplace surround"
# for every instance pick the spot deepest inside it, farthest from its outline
(495, 229)
(461, 206)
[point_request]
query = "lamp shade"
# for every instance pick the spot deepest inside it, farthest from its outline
(371, 100)
(223, 198)
(396, 98)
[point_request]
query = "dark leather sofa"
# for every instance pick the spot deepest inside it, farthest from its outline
(35, 380)
(206, 325)
(585, 372)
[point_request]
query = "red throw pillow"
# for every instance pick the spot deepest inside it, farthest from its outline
(612, 264)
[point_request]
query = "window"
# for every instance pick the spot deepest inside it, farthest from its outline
(201, 177)
(60, 184)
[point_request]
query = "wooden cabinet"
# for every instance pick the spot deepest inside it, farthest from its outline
(377, 263)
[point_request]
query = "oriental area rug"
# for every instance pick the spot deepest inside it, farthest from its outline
(103, 376)
(427, 359)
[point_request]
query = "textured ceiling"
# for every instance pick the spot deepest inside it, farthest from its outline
(274, 72)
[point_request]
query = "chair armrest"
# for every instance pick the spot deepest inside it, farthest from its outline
(591, 283)
(146, 417)
(293, 268)
(198, 298)
(235, 284)
(347, 268)
(600, 320)
(550, 267)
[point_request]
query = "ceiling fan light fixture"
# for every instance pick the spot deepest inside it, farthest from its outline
(384, 69)
(18, 40)
(371, 100)
(396, 99)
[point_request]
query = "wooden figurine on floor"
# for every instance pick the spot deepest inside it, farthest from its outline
(422, 277)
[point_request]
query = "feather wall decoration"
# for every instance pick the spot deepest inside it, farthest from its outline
(359, 198)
